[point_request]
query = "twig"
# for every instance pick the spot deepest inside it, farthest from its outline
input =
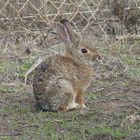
(36, 64)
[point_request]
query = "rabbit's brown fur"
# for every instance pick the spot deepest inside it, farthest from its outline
(60, 81)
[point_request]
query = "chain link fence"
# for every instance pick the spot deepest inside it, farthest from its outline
(29, 19)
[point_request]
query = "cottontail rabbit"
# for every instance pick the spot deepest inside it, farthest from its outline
(60, 81)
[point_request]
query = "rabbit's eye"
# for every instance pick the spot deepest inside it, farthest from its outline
(84, 50)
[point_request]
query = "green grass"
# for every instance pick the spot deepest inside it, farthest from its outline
(23, 124)
(115, 132)
(25, 66)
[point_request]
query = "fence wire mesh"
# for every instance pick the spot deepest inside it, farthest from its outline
(31, 19)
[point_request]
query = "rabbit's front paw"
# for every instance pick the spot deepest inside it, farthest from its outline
(73, 106)
(83, 106)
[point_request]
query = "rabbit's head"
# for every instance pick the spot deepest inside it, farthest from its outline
(74, 45)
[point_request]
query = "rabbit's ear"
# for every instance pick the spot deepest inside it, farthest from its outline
(72, 36)
(66, 33)
(63, 34)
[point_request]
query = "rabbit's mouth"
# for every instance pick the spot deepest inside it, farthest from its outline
(95, 60)
(88, 61)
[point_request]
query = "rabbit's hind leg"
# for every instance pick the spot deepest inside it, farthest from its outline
(68, 101)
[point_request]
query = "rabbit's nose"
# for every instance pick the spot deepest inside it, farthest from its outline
(98, 58)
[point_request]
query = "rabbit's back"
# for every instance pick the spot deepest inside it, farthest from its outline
(57, 67)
